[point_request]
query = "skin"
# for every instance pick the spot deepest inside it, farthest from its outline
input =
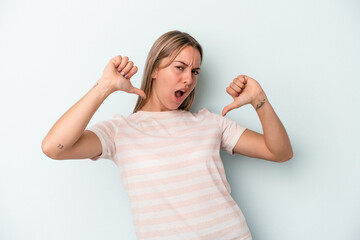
(68, 138)
(181, 73)
(274, 144)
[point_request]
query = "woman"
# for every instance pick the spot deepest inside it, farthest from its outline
(169, 157)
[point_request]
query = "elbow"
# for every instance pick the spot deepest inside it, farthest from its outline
(48, 151)
(286, 157)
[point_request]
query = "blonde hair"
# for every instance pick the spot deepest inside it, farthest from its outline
(168, 44)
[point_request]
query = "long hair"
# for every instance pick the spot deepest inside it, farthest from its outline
(168, 44)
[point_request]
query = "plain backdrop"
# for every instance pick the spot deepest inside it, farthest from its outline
(305, 55)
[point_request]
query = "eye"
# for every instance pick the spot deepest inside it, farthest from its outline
(195, 72)
(180, 67)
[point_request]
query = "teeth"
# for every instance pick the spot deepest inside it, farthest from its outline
(182, 91)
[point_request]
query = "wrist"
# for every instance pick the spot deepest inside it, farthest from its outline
(259, 100)
(103, 87)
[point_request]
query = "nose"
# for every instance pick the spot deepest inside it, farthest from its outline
(188, 78)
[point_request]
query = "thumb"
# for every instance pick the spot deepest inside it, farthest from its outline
(139, 92)
(228, 108)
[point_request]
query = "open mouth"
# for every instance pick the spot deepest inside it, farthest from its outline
(179, 94)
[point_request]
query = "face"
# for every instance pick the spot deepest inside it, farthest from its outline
(173, 84)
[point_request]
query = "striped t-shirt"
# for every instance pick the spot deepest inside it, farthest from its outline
(171, 169)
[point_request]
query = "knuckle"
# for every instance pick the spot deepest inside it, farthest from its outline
(117, 58)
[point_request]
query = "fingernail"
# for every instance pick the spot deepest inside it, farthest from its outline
(126, 76)
(122, 73)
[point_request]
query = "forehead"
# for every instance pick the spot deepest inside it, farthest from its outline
(190, 56)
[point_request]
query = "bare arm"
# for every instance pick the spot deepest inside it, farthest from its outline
(62, 140)
(274, 144)
(68, 139)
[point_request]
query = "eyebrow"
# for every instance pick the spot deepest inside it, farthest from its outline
(185, 64)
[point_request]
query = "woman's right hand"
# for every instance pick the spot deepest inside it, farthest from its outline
(117, 75)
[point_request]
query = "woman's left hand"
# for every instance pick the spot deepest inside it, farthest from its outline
(243, 90)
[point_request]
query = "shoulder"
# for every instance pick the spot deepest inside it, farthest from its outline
(205, 113)
(220, 120)
(111, 123)
(116, 119)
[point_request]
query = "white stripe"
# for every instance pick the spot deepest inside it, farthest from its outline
(183, 210)
(169, 150)
(202, 156)
(205, 218)
(173, 186)
(147, 122)
(131, 131)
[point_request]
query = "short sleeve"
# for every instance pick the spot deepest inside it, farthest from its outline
(105, 131)
(231, 132)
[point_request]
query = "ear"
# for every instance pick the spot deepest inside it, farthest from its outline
(154, 74)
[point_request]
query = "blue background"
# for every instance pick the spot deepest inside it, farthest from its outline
(305, 54)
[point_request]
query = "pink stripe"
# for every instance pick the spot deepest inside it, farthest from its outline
(159, 156)
(165, 143)
(169, 125)
(241, 225)
(189, 216)
(176, 192)
(164, 115)
(170, 166)
(180, 204)
(134, 135)
(194, 228)
(169, 122)
(177, 178)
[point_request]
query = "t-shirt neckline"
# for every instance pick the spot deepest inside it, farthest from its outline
(157, 113)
